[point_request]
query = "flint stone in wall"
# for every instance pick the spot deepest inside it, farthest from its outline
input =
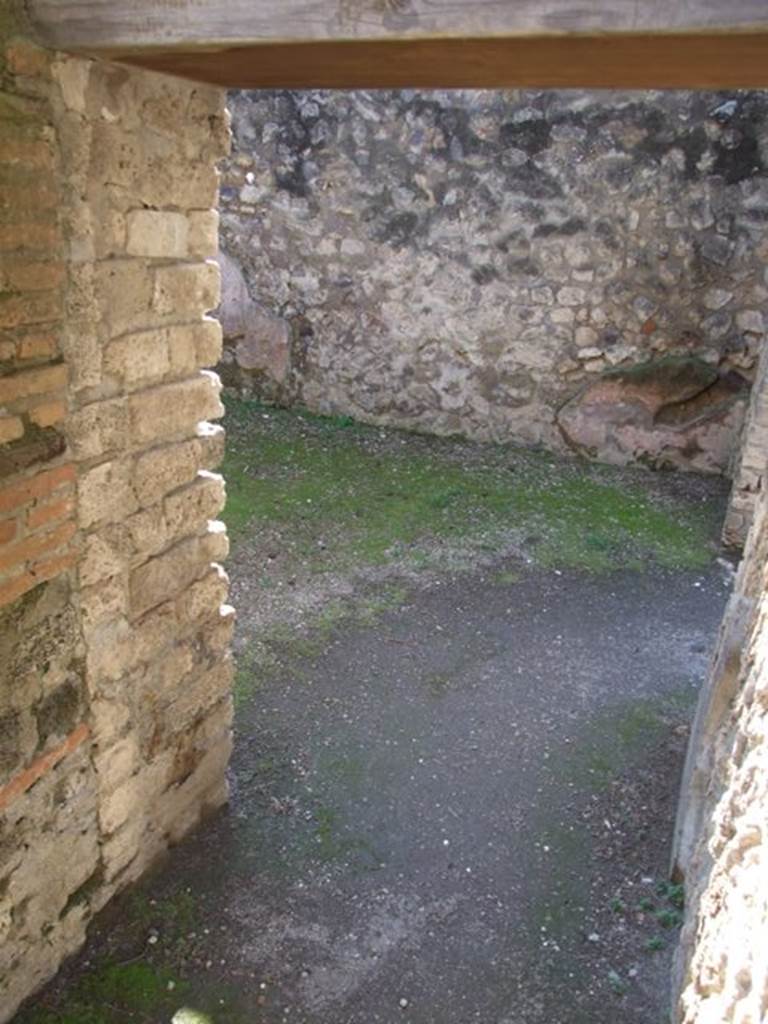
(673, 412)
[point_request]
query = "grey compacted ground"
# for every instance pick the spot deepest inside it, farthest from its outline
(455, 808)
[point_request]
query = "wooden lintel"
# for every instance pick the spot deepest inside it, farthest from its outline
(150, 24)
(624, 60)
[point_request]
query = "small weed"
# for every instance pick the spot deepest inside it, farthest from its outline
(654, 945)
(618, 906)
(669, 918)
(646, 904)
(673, 892)
(249, 672)
(506, 578)
(332, 845)
(438, 684)
(617, 983)
(174, 916)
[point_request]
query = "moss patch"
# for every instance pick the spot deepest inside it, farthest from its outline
(615, 741)
(131, 992)
(282, 646)
(346, 497)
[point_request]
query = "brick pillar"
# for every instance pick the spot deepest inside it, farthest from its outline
(115, 713)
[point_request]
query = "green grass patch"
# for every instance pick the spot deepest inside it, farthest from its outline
(617, 739)
(135, 992)
(342, 498)
(171, 916)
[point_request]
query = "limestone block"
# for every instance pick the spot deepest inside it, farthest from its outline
(149, 533)
(104, 601)
(159, 233)
(138, 359)
(110, 717)
(123, 845)
(194, 345)
(161, 470)
(175, 409)
(116, 649)
(216, 541)
(163, 677)
(116, 762)
(117, 806)
(125, 291)
(181, 807)
(208, 340)
(167, 574)
(218, 633)
(72, 76)
(105, 493)
(106, 553)
(203, 233)
(188, 510)
(203, 597)
(99, 429)
(185, 289)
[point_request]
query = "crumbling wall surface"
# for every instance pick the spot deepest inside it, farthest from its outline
(722, 961)
(114, 673)
(751, 466)
(580, 270)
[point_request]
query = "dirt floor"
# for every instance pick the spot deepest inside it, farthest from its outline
(465, 679)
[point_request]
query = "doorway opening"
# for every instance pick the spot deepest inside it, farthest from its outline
(466, 669)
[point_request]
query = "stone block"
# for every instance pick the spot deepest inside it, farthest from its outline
(105, 493)
(138, 359)
(125, 289)
(117, 762)
(99, 429)
(203, 233)
(104, 602)
(161, 470)
(157, 233)
(164, 576)
(175, 409)
(216, 541)
(200, 600)
(212, 438)
(149, 533)
(189, 509)
(186, 289)
(208, 342)
(194, 345)
(105, 553)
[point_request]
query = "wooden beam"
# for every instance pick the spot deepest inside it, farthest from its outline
(621, 61)
(148, 24)
(423, 43)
